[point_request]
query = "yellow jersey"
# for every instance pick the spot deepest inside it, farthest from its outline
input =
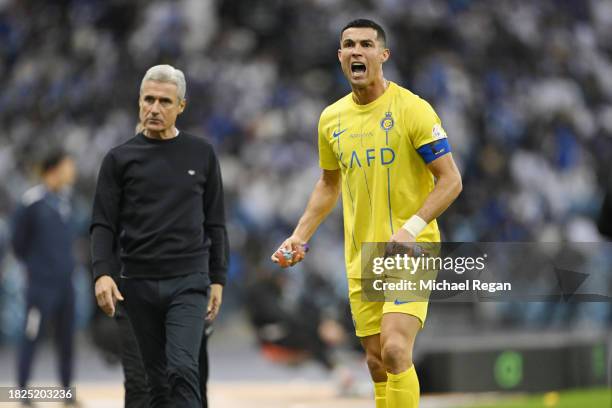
(384, 179)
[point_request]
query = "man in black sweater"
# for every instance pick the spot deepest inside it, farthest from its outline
(160, 197)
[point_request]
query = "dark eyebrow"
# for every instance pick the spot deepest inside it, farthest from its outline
(161, 99)
(351, 41)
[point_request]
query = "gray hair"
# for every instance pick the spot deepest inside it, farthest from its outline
(169, 74)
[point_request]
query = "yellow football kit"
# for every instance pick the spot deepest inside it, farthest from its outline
(378, 148)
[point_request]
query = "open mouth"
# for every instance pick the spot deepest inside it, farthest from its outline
(358, 68)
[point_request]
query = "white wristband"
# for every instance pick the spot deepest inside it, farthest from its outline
(415, 225)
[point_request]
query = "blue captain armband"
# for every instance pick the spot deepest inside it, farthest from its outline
(431, 151)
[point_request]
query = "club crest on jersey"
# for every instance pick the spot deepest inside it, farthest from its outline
(387, 122)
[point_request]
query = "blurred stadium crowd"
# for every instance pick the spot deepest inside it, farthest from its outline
(524, 90)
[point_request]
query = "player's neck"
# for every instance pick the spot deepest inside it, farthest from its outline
(363, 96)
(169, 133)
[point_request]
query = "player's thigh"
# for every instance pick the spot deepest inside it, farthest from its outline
(366, 314)
(398, 333)
(402, 321)
(416, 309)
(403, 325)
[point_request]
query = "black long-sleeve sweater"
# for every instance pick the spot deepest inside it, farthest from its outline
(159, 203)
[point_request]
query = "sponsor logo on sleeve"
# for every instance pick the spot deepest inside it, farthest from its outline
(437, 132)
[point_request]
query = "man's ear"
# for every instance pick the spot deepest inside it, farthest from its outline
(385, 55)
(339, 52)
(182, 105)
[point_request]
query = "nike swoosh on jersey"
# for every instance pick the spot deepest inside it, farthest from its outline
(336, 134)
(399, 302)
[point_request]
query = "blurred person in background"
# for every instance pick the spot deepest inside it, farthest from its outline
(160, 198)
(385, 149)
(43, 240)
(293, 332)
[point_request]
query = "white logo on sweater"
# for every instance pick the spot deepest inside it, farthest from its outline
(191, 172)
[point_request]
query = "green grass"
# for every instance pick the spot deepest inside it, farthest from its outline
(592, 398)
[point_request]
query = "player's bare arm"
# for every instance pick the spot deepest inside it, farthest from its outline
(447, 189)
(322, 201)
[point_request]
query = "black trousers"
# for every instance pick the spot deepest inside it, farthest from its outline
(135, 383)
(167, 316)
(135, 377)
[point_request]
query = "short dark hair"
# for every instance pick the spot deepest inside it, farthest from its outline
(52, 159)
(365, 23)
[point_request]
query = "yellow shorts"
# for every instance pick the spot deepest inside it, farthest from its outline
(367, 315)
